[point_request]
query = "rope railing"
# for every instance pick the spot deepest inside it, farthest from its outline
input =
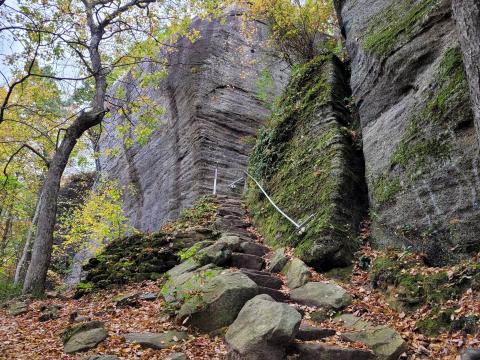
(300, 226)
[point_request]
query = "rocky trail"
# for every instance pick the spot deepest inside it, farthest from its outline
(232, 298)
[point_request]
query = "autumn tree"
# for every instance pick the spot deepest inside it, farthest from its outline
(92, 41)
(298, 29)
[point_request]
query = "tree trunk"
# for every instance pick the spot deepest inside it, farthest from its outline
(467, 18)
(5, 240)
(47, 211)
(19, 270)
(47, 208)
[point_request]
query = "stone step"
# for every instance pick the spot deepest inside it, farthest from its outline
(253, 248)
(263, 279)
(247, 261)
(309, 333)
(275, 294)
(312, 351)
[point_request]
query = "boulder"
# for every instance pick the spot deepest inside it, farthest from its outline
(126, 300)
(49, 313)
(249, 247)
(83, 336)
(185, 267)
(17, 308)
(297, 273)
(247, 261)
(163, 340)
(277, 295)
(386, 343)
(311, 351)
(262, 330)
(471, 354)
(327, 295)
(264, 279)
(278, 261)
(208, 299)
(232, 242)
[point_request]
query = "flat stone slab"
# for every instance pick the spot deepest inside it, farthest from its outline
(126, 300)
(148, 296)
(386, 343)
(328, 295)
(157, 340)
(312, 351)
(309, 333)
(83, 336)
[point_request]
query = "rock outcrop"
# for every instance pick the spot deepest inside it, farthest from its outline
(215, 97)
(419, 143)
(310, 166)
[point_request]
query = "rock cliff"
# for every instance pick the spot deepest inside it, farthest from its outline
(215, 98)
(308, 161)
(419, 143)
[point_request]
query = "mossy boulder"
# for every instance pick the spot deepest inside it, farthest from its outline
(308, 163)
(208, 299)
(146, 256)
(263, 330)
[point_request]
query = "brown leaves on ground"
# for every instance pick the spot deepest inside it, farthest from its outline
(371, 305)
(24, 337)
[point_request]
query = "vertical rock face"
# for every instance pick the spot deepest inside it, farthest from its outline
(213, 98)
(419, 143)
(307, 159)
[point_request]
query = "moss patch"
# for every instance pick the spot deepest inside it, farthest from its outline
(302, 157)
(426, 139)
(146, 256)
(397, 24)
(415, 284)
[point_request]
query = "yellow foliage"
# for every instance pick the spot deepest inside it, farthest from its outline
(298, 28)
(97, 222)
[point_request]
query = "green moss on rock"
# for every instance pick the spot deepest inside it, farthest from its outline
(427, 138)
(146, 256)
(396, 24)
(413, 284)
(303, 157)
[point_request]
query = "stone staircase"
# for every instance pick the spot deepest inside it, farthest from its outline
(262, 265)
